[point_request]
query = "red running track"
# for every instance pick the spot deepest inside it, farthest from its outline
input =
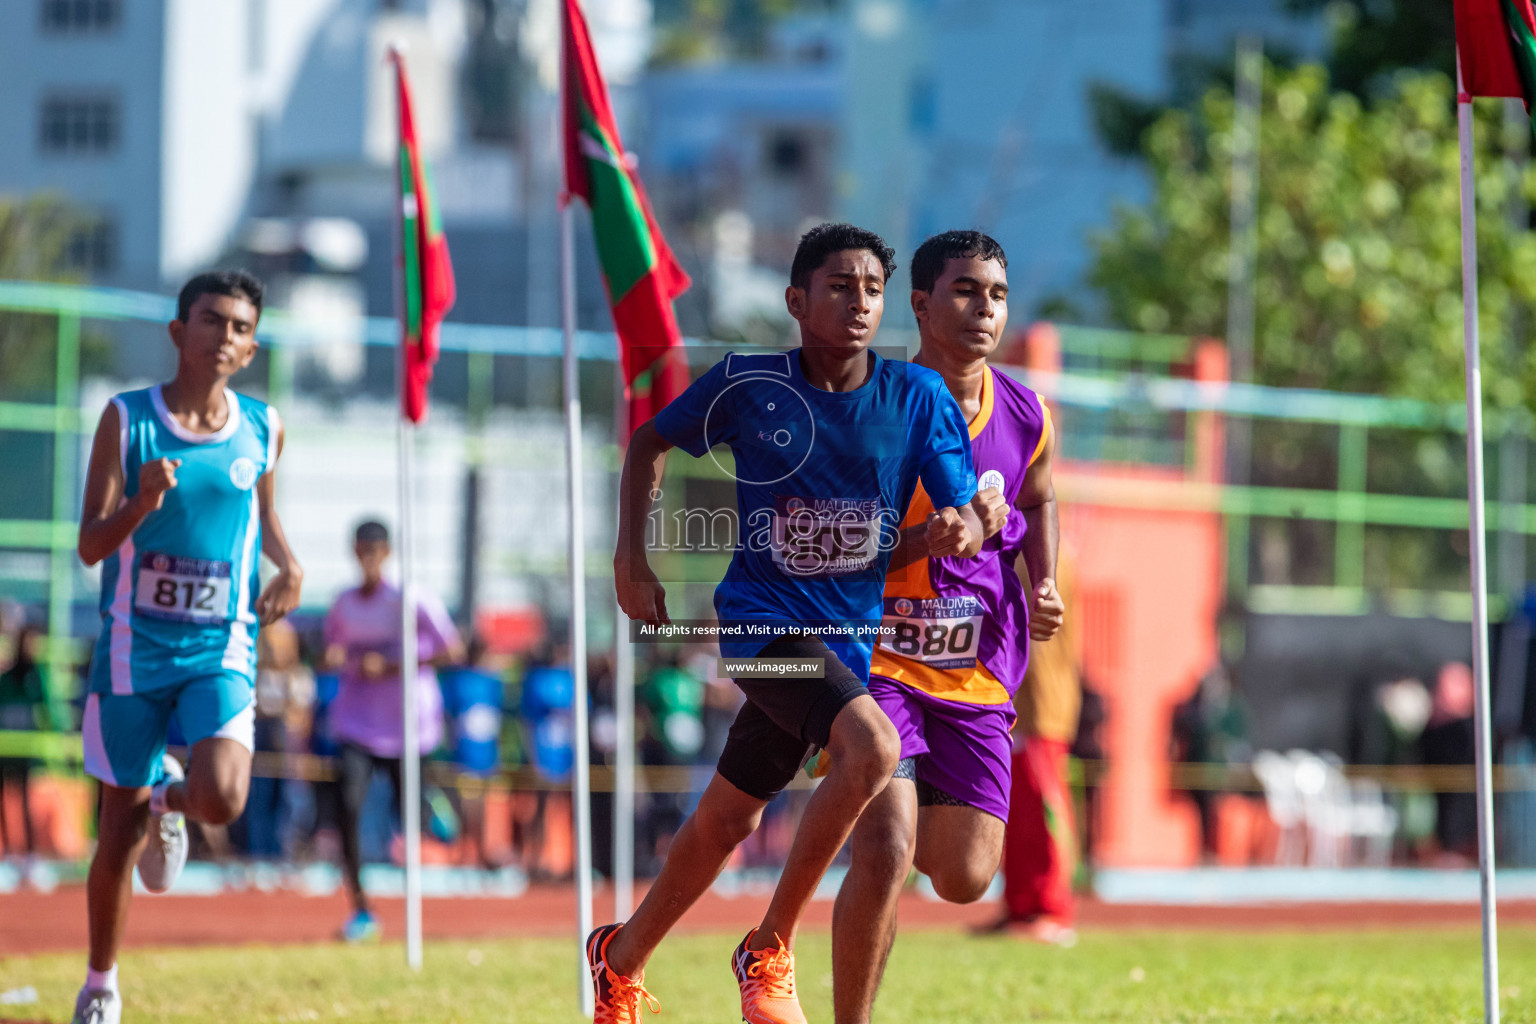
(38, 922)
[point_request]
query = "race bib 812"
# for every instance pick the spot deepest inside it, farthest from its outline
(182, 589)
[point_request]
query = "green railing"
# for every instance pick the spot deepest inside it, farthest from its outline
(1120, 377)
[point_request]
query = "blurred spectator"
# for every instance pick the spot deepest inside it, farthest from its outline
(549, 691)
(722, 702)
(601, 680)
(26, 705)
(472, 695)
(1040, 846)
(326, 824)
(1389, 708)
(1210, 728)
(603, 744)
(674, 697)
(285, 691)
(1088, 747)
(1449, 740)
(670, 702)
(547, 701)
(363, 640)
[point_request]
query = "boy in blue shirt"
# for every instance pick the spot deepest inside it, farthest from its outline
(180, 503)
(830, 442)
(472, 700)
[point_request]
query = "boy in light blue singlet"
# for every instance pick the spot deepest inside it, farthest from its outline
(179, 507)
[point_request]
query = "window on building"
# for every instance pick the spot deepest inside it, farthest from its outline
(786, 154)
(92, 247)
(923, 105)
(81, 15)
(79, 125)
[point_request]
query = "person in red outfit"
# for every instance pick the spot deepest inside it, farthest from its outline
(1040, 843)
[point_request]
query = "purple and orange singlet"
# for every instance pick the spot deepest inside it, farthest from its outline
(961, 625)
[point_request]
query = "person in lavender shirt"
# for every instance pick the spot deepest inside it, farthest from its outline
(362, 641)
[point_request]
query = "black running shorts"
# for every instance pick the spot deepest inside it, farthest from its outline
(785, 720)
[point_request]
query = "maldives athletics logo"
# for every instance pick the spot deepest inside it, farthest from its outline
(242, 473)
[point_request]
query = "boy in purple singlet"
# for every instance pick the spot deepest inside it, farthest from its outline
(947, 674)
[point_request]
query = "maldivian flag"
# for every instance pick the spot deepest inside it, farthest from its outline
(426, 273)
(642, 275)
(1496, 41)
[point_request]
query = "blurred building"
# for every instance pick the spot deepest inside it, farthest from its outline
(139, 111)
(1206, 29)
(977, 113)
(485, 84)
(261, 132)
(740, 157)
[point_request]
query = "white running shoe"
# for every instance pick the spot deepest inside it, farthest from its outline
(98, 1006)
(166, 853)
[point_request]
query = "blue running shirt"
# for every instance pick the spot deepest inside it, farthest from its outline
(177, 599)
(472, 698)
(822, 481)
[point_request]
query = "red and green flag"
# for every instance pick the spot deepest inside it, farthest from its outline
(426, 274)
(1496, 41)
(642, 275)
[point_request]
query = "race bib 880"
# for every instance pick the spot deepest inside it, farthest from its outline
(941, 632)
(182, 589)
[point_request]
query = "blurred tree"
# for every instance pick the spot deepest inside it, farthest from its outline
(696, 31)
(1359, 268)
(1369, 41)
(1372, 39)
(36, 235)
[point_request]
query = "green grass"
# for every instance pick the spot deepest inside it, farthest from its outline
(1406, 977)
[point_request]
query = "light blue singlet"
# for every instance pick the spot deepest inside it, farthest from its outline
(177, 598)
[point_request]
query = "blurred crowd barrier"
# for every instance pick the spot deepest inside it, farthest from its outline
(1294, 562)
(1289, 809)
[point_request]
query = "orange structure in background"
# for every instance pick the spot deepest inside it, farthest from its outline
(1150, 585)
(61, 809)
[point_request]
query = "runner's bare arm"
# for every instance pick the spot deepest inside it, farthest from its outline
(991, 509)
(106, 520)
(912, 543)
(954, 532)
(281, 595)
(640, 593)
(974, 533)
(1037, 500)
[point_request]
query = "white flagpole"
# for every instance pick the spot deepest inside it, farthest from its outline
(1482, 730)
(623, 770)
(623, 711)
(581, 803)
(410, 757)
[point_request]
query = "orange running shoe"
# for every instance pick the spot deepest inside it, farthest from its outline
(767, 981)
(618, 998)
